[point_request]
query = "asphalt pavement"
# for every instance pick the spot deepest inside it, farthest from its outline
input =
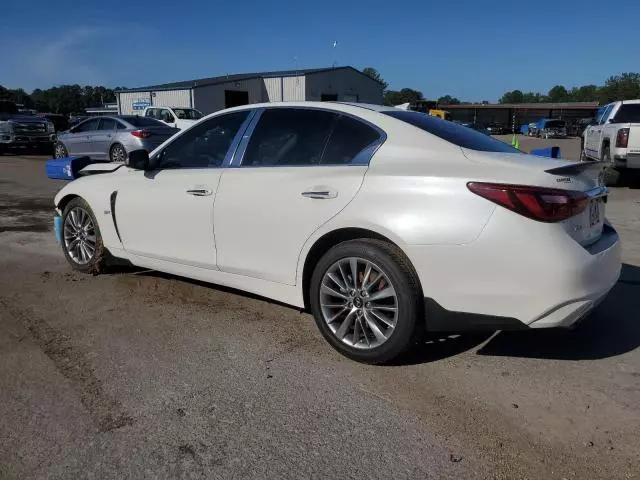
(137, 374)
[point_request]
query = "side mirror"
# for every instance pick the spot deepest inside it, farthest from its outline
(139, 159)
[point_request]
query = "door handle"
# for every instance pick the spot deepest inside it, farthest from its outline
(320, 193)
(200, 192)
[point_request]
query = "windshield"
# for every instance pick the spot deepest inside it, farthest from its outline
(628, 113)
(451, 132)
(188, 113)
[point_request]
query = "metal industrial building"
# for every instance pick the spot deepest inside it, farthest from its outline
(211, 94)
(519, 113)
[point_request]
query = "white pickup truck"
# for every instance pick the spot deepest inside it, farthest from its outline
(614, 139)
(177, 117)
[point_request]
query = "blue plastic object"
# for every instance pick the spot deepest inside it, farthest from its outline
(552, 152)
(524, 129)
(57, 229)
(66, 168)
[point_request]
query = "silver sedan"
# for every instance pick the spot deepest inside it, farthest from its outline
(113, 138)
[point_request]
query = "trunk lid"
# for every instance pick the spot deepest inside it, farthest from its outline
(586, 177)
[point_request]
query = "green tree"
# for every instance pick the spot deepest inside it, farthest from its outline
(558, 94)
(625, 86)
(373, 73)
(406, 95)
(514, 96)
(448, 100)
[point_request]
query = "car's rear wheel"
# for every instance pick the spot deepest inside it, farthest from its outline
(611, 175)
(366, 300)
(60, 151)
(81, 240)
(118, 153)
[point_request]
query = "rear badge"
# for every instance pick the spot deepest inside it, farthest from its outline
(563, 180)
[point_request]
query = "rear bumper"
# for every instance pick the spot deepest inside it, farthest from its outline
(513, 282)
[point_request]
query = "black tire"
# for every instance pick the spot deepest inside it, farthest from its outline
(117, 153)
(60, 151)
(410, 302)
(612, 176)
(98, 260)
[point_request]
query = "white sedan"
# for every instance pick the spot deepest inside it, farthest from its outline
(383, 223)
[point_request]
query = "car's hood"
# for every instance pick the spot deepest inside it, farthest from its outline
(27, 119)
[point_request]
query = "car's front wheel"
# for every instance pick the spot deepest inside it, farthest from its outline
(81, 240)
(60, 151)
(366, 300)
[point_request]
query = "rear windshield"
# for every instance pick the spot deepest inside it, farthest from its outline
(628, 113)
(187, 113)
(451, 132)
(138, 121)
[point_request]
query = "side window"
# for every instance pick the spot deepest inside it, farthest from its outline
(205, 145)
(121, 126)
(107, 124)
(348, 138)
(164, 115)
(150, 113)
(88, 126)
(289, 136)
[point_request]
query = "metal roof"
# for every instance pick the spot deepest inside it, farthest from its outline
(200, 82)
(527, 106)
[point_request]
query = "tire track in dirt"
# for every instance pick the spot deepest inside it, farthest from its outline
(108, 413)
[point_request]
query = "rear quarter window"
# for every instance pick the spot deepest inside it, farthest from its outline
(464, 137)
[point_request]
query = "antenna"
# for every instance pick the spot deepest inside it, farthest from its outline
(335, 63)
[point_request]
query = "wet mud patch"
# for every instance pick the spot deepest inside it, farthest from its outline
(25, 214)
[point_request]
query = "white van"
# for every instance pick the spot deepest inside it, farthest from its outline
(177, 117)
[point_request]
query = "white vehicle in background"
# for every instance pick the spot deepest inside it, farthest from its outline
(177, 117)
(381, 222)
(614, 139)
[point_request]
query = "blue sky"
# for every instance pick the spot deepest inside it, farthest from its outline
(474, 50)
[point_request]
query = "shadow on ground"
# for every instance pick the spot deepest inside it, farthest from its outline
(612, 329)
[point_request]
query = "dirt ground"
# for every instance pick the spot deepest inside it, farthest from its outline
(137, 374)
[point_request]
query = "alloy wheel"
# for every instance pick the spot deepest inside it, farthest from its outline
(79, 236)
(118, 154)
(60, 151)
(359, 303)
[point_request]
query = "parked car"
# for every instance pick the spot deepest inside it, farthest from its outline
(382, 222)
(496, 129)
(578, 127)
(551, 128)
(19, 131)
(112, 138)
(614, 139)
(177, 117)
(60, 122)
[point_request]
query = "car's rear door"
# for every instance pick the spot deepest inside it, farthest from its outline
(167, 213)
(102, 138)
(298, 168)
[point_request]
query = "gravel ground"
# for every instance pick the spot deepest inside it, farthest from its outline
(137, 374)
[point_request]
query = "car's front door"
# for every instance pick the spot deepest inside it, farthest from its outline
(300, 168)
(77, 143)
(167, 213)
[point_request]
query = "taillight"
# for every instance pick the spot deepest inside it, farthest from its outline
(622, 139)
(538, 203)
(141, 133)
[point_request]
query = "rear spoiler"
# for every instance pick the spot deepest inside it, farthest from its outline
(577, 167)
